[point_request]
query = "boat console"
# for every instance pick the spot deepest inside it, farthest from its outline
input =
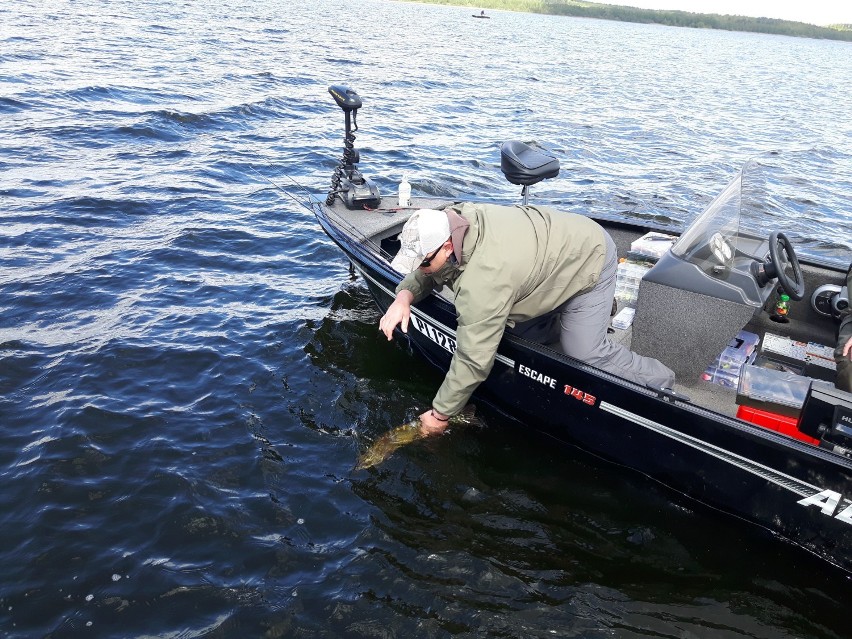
(714, 280)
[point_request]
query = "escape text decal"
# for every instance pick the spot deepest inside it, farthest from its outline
(550, 382)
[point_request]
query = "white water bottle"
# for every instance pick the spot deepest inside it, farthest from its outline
(404, 192)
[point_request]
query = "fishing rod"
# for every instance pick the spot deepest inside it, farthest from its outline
(340, 220)
(286, 192)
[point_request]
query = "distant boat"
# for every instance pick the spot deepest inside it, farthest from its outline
(481, 15)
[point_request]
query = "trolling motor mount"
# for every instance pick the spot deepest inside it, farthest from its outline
(355, 191)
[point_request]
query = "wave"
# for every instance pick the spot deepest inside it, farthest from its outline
(10, 105)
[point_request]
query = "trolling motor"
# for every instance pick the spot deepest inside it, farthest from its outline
(356, 191)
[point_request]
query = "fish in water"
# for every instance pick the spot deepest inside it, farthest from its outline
(385, 445)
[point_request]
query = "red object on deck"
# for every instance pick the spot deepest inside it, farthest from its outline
(773, 421)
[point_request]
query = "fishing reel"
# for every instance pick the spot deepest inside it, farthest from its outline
(355, 191)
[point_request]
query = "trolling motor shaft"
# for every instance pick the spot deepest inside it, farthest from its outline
(356, 191)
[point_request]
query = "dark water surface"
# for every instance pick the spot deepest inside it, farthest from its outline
(188, 367)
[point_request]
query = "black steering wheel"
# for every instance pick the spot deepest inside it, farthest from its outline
(780, 247)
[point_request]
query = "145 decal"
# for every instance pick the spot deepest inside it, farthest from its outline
(583, 396)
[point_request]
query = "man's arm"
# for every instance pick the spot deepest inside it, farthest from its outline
(413, 288)
(398, 314)
(482, 314)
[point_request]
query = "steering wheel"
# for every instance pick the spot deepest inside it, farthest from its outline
(779, 247)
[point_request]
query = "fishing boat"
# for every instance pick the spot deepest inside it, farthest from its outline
(754, 425)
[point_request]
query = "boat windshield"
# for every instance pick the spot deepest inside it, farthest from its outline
(711, 240)
(796, 191)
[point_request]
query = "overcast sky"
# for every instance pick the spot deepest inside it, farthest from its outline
(813, 11)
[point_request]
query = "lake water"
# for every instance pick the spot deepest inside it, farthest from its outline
(189, 368)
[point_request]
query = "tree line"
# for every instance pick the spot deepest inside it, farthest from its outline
(672, 18)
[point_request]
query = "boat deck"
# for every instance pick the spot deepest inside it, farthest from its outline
(383, 222)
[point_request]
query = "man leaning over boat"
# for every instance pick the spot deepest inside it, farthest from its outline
(508, 265)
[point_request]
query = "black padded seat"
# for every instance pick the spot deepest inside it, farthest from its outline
(522, 164)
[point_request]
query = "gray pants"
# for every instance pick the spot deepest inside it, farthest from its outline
(584, 320)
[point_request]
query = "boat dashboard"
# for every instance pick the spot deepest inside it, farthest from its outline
(702, 271)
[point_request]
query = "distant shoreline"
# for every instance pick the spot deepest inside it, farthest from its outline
(580, 9)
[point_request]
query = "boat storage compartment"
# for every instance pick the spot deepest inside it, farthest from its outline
(725, 371)
(773, 421)
(772, 386)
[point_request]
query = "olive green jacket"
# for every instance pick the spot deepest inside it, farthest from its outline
(518, 262)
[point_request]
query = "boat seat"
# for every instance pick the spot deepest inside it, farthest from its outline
(522, 164)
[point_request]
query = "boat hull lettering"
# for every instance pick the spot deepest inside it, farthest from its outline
(583, 396)
(828, 502)
(447, 342)
(534, 375)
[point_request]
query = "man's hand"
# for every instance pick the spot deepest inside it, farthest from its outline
(430, 424)
(847, 348)
(398, 314)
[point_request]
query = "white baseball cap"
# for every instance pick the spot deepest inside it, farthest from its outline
(424, 232)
